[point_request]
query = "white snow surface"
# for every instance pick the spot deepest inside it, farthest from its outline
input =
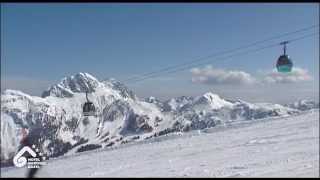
(271, 147)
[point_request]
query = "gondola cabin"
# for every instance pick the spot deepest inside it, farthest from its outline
(88, 108)
(284, 63)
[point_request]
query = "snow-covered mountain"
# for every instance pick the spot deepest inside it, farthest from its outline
(57, 116)
(304, 105)
(272, 147)
(121, 116)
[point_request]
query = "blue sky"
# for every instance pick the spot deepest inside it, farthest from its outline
(41, 43)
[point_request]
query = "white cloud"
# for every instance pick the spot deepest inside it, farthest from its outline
(210, 75)
(295, 76)
(289, 87)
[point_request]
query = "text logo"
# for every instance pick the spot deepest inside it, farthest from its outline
(32, 161)
(20, 160)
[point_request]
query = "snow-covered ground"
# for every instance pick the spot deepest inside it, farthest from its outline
(278, 147)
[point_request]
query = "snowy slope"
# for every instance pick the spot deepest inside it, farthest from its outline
(121, 116)
(276, 147)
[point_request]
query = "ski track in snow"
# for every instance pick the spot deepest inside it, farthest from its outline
(280, 147)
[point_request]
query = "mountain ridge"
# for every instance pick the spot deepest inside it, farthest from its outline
(122, 116)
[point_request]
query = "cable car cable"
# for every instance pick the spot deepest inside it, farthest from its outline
(242, 53)
(221, 53)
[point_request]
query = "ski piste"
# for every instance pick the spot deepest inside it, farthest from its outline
(289, 146)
